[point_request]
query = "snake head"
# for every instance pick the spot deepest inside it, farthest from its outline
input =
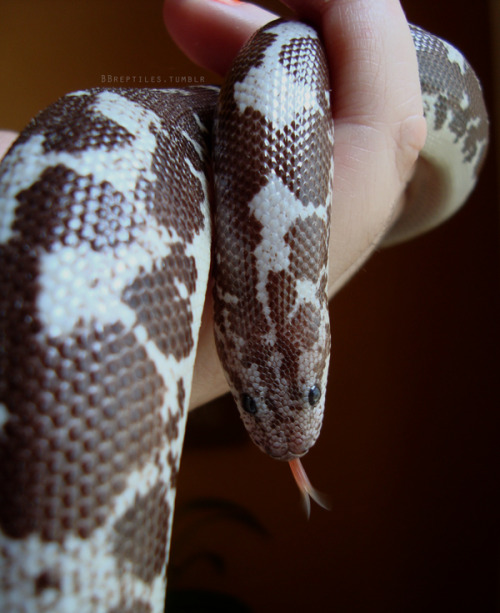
(280, 393)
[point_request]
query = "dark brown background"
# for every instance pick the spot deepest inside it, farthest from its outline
(409, 450)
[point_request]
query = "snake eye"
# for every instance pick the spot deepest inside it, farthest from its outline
(249, 404)
(314, 395)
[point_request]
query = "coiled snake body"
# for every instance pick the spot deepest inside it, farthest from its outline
(105, 249)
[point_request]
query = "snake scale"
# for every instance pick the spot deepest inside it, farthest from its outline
(105, 257)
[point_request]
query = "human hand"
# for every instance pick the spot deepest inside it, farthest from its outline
(379, 124)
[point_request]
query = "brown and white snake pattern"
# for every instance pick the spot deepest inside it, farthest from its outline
(105, 256)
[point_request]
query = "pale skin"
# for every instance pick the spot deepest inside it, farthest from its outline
(379, 124)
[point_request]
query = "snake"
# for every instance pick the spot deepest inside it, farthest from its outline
(116, 206)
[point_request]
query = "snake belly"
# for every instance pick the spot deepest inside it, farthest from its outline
(104, 260)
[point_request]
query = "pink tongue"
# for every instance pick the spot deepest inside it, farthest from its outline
(305, 487)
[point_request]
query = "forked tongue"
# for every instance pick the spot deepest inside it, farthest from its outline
(305, 487)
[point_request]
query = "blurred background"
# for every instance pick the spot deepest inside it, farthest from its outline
(409, 450)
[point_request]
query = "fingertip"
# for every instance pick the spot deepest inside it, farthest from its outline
(211, 32)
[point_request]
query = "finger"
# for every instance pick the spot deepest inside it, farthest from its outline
(6, 139)
(211, 33)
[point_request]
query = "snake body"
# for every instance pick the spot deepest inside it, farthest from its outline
(105, 255)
